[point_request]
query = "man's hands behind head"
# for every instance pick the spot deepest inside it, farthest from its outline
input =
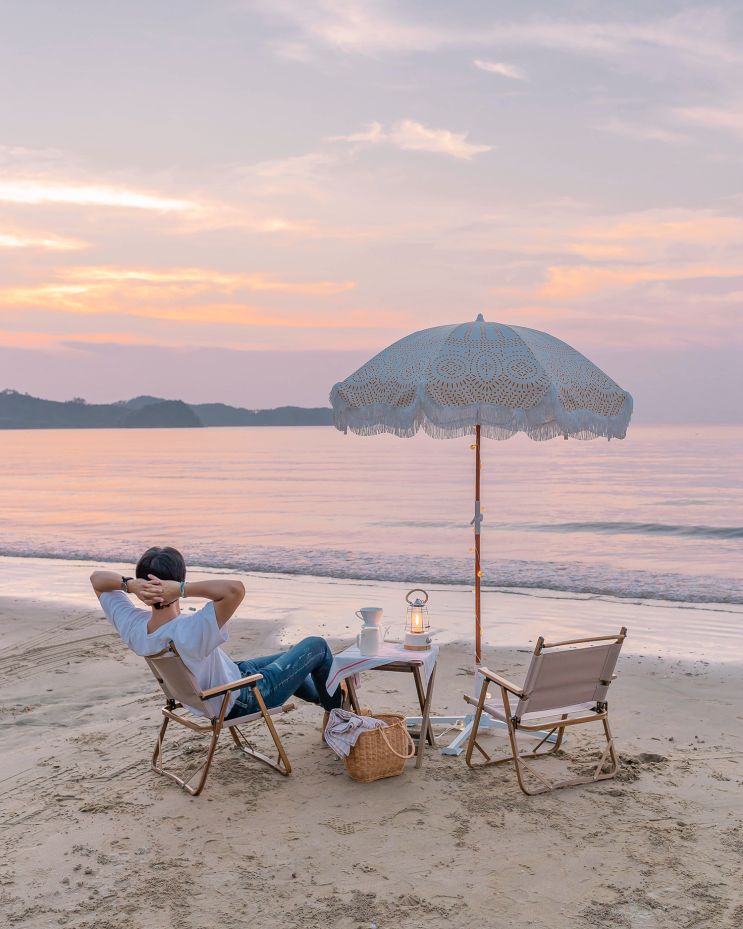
(153, 590)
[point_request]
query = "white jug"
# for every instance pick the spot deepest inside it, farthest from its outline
(370, 639)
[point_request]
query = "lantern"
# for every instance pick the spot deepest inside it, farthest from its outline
(417, 626)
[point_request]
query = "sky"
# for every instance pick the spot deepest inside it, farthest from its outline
(243, 201)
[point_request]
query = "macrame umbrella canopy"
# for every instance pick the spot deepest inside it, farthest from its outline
(505, 379)
(482, 378)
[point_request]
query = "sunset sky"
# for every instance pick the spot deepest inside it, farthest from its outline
(184, 185)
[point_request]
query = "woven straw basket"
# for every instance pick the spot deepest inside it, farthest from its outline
(381, 752)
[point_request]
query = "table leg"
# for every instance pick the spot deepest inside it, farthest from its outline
(424, 699)
(352, 694)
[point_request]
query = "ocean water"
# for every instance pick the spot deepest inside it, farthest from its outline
(657, 516)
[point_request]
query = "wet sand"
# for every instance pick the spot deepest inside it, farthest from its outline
(92, 838)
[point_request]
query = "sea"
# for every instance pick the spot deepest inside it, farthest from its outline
(658, 515)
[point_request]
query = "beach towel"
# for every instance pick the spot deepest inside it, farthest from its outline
(344, 728)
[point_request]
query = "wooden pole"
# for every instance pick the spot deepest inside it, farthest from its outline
(478, 572)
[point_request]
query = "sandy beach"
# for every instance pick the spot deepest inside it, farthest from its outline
(92, 838)
(345, 301)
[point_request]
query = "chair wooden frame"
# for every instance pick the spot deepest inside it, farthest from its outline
(215, 725)
(600, 713)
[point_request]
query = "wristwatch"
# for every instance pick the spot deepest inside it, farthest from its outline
(124, 581)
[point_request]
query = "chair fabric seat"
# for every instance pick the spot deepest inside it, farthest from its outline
(495, 708)
(565, 685)
(182, 689)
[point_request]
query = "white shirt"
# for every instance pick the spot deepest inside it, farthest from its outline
(196, 636)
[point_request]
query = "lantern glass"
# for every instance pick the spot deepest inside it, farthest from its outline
(416, 619)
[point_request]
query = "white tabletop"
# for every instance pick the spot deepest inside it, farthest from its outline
(351, 661)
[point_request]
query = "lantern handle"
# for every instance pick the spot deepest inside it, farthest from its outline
(420, 589)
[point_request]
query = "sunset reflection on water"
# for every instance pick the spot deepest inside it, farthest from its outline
(665, 502)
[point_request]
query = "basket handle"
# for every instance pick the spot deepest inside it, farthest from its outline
(407, 736)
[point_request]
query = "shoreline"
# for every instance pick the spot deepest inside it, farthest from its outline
(547, 593)
(307, 605)
(91, 837)
(637, 586)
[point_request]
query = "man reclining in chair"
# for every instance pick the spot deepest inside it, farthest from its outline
(160, 582)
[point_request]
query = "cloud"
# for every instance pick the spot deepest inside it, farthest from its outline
(551, 312)
(411, 136)
(36, 340)
(43, 192)
(651, 133)
(41, 340)
(577, 282)
(371, 27)
(501, 68)
(726, 120)
(673, 225)
(361, 26)
(204, 278)
(373, 135)
(658, 235)
(10, 239)
(183, 293)
(696, 34)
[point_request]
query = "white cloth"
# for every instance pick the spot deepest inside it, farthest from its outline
(197, 638)
(351, 661)
(344, 729)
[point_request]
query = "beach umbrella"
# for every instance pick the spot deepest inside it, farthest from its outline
(485, 379)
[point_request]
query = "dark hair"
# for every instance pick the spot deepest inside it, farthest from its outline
(166, 563)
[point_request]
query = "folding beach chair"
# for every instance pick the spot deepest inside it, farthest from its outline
(564, 687)
(182, 691)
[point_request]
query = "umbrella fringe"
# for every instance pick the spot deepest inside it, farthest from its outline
(545, 420)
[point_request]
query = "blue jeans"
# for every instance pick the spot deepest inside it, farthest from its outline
(301, 672)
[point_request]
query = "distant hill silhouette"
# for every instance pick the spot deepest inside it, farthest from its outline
(139, 403)
(21, 411)
(173, 414)
(220, 414)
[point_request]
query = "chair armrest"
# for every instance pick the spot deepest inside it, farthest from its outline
(501, 682)
(235, 685)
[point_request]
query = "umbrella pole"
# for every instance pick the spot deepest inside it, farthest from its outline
(466, 722)
(478, 572)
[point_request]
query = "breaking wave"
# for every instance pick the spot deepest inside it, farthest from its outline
(651, 529)
(568, 576)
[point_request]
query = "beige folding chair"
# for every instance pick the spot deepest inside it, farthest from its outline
(182, 691)
(568, 683)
